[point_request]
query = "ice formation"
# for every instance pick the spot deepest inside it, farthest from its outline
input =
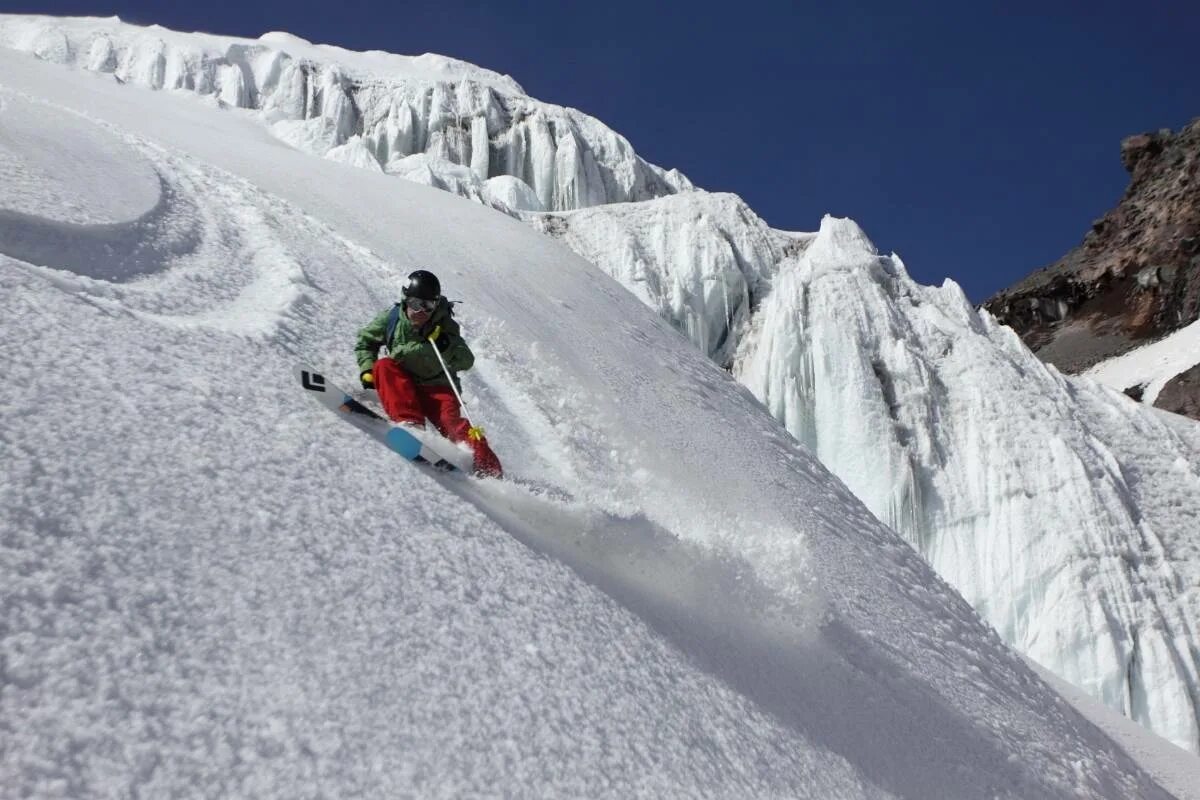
(324, 100)
(1064, 512)
(702, 261)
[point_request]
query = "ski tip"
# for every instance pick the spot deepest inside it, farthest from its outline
(311, 380)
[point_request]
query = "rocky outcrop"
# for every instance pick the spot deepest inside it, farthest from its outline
(1182, 393)
(1136, 276)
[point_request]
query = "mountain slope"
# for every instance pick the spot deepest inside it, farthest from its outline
(1134, 279)
(212, 585)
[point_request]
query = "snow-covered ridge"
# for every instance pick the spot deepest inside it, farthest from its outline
(68, 39)
(369, 109)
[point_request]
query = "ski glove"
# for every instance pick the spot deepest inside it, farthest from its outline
(367, 379)
(439, 341)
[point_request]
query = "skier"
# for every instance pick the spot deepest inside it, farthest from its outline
(411, 380)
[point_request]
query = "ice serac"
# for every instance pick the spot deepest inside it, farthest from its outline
(513, 193)
(1061, 510)
(321, 99)
(702, 261)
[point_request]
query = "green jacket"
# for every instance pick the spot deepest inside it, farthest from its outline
(411, 348)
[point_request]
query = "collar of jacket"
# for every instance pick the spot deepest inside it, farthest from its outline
(440, 314)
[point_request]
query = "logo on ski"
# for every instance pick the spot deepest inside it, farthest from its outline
(313, 381)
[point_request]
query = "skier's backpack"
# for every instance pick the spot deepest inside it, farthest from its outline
(392, 321)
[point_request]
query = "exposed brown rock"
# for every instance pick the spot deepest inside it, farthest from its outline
(1182, 394)
(1136, 276)
(1136, 149)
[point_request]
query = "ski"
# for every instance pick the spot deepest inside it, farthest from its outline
(410, 444)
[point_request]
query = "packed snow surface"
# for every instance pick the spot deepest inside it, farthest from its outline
(1152, 366)
(212, 586)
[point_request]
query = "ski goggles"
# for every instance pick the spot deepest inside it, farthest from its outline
(417, 304)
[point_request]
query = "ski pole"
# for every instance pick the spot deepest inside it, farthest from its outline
(474, 432)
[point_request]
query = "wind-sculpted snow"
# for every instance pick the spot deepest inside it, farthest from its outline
(42, 178)
(200, 256)
(1062, 511)
(211, 586)
(384, 107)
(77, 197)
(702, 261)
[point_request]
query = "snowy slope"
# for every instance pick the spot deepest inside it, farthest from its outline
(212, 586)
(1171, 766)
(1151, 366)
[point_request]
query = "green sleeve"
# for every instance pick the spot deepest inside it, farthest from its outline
(370, 339)
(458, 356)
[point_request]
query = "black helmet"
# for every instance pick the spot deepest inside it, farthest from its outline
(423, 284)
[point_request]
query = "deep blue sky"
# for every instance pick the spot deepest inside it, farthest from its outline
(976, 140)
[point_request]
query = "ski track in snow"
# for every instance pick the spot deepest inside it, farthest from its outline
(42, 179)
(239, 280)
(213, 586)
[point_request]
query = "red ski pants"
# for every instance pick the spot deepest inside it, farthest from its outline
(404, 400)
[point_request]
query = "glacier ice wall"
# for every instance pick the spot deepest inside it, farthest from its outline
(382, 107)
(702, 260)
(1063, 512)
